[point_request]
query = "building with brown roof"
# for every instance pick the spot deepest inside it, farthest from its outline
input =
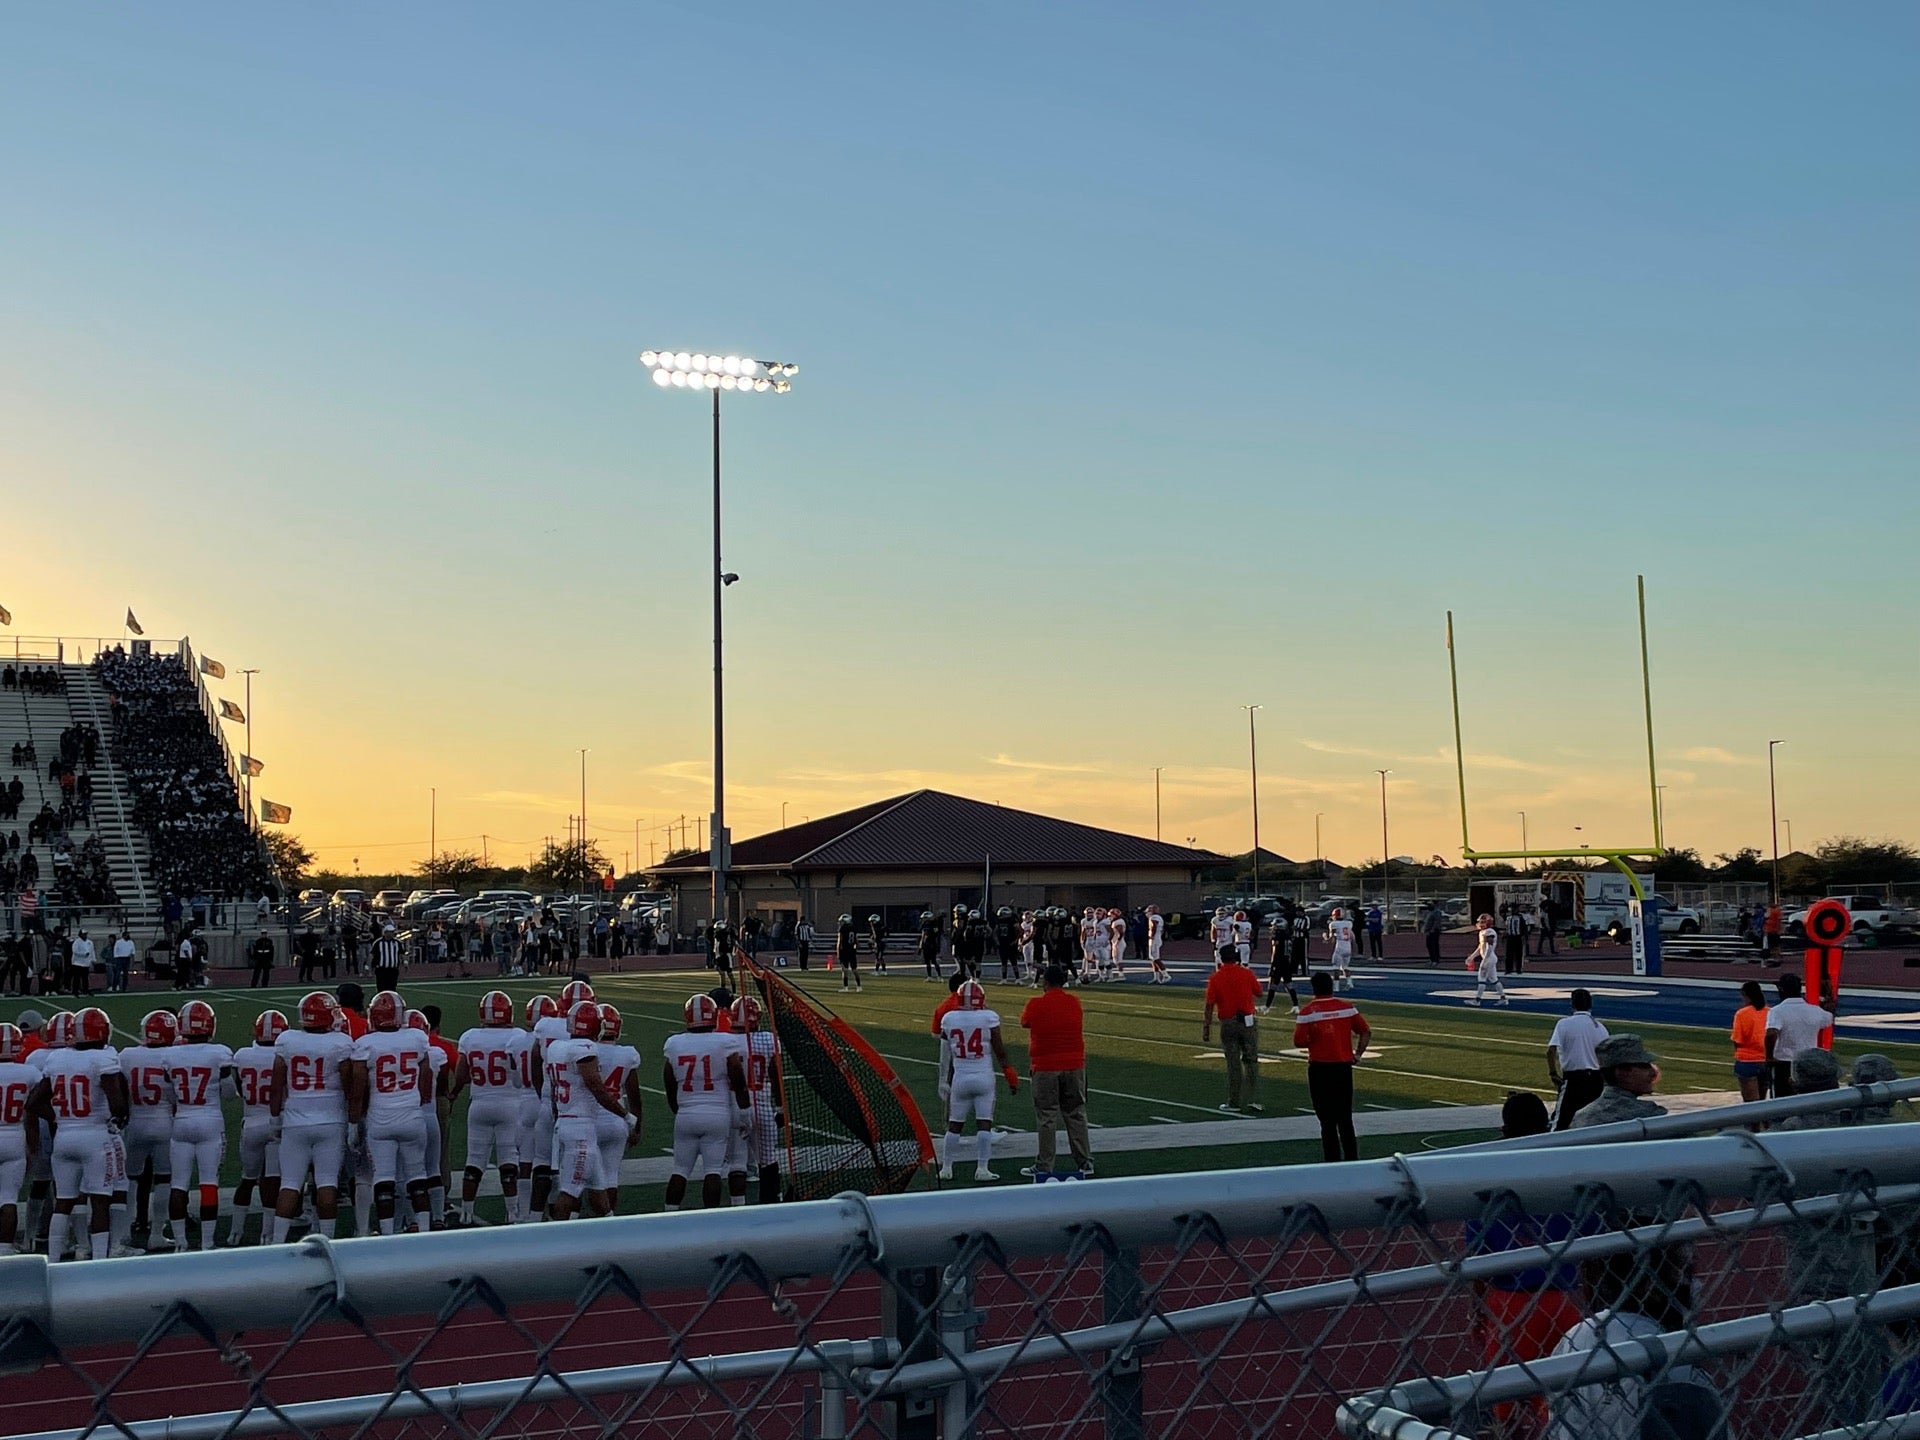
(929, 850)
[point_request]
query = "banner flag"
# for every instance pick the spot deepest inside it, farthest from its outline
(250, 765)
(6, 616)
(231, 711)
(209, 666)
(272, 814)
(133, 624)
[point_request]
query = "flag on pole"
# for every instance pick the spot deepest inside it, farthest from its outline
(272, 814)
(210, 666)
(250, 765)
(133, 624)
(231, 711)
(6, 616)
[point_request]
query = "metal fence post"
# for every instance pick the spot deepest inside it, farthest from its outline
(958, 1321)
(907, 1317)
(833, 1407)
(1122, 1389)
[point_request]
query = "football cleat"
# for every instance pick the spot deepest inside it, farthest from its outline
(159, 1028)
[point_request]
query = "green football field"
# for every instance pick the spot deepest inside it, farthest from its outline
(1155, 1087)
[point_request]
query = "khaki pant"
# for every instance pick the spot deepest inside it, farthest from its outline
(1061, 1095)
(1240, 1038)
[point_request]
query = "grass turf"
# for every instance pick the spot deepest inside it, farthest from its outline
(1146, 1062)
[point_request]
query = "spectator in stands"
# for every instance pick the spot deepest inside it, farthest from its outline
(1628, 1073)
(1633, 1296)
(80, 958)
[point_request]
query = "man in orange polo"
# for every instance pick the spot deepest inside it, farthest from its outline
(1233, 990)
(1057, 1056)
(1334, 1034)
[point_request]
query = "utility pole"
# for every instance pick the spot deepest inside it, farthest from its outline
(1156, 800)
(1318, 858)
(433, 835)
(247, 768)
(1773, 808)
(1386, 888)
(1253, 769)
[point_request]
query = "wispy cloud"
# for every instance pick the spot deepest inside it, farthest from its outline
(1012, 764)
(1714, 755)
(1441, 756)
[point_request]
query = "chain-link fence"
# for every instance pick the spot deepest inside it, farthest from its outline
(1764, 1282)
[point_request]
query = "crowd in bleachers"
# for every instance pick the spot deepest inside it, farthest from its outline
(183, 795)
(77, 873)
(34, 679)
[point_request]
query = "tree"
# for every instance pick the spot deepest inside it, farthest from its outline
(1744, 864)
(568, 867)
(450, 869)
(1683, 867)
(1856, 860)
(289, 858)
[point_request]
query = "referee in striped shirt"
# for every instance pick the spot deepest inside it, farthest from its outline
(386, 960)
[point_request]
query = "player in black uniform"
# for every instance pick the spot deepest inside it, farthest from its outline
(1006, 941)
(846, 951)
(930, 943)
(877, 937)
(1281, 971)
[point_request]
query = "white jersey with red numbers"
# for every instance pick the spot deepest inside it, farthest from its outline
(1341, 932)
(253, 1078)
(572, 1100)
(149, 1072)
(698, 1060)
(437, 1061)
(394, 1059)
(195, 1071)
(969, 1037)
(758, 1129)
(79, 1099)
(550, 1030)
(315, 1093)
(617, 1061)
(497, 1059)
(17, 1079)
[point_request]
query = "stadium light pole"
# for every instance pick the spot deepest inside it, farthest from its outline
(1253, 770)
(583, 820)
(1523, 829)
(1386, 890)
(1319, 858)
(247, 768)
(678, 370)
(1156, 800)
(1789, 825)
(1773, 809)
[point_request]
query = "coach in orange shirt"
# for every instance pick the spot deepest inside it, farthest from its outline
(1057, 1056)
(1334, 1034)
(1233, 991)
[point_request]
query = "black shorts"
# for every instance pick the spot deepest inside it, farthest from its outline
(1281, 970)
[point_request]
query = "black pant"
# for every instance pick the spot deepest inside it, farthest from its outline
(386, 977)
(1782, 1079)
(263, 971)
(804, 953)
(1433, 947)
(1516, 955)
(1373, 944)
(1330, 1088)
(1578, 1089)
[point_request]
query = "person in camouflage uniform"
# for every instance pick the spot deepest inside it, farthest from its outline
(1629, 1072)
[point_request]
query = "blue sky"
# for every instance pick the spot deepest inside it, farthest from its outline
(1153, 363)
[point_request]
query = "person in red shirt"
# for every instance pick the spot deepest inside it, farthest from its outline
(947, 1006)
(352, 1009)
(1057, 1057)
(1334, 1034)
(1233, 990)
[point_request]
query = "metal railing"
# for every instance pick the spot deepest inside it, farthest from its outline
(1256, 1302)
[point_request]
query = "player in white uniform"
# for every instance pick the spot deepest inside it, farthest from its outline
(1117, 943)
(310, 1099)
(18, 1139)
(389, 1086)
(149, 1138)
(497, 1055)
(83, 1096)
(756, 1130)
(705, 1077)
(620, 1074)
(201, 1068)
(970, 1050)
(1156, 938)
(259, 1132)
(534, 1106)
(1094, 936)
(1243, 936)
(1340, 931)
(1026, 944)
(441, 1068)
(548, 1030)
(1219, 932)
(578, 1096)
(1486, 964)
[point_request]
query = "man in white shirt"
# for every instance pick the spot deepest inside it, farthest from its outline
(122, 951)
(497, 1056)
(1792, 1026)
(1572, 1065)
(199, 1068)
(80, 964)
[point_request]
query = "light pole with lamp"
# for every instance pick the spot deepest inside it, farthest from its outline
(679, 370)
(1789, 825)
(1156, 800)
(583, 821)
(1773, 810)
(1253, 771)
(1523, 829)
(1386, 890)
(246, 766)
(1318, 858)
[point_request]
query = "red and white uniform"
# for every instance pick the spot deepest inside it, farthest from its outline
(396, 1134)
(199, 1129)
(617, 1061)
(1341, 933)
(498, 1079)
(17, 1079)
(536, 1132)
(703, 1125)
(439, 1061)
(756, 1129)
(87, 1158)
(1156, 935)
(968, 1038)
(149, 1136)
(259, 1131)
(313, 1117)
(576, 1140)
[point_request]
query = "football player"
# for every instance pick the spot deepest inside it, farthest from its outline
(1117, 944)
(200, 1066)
(149, 1137)
(705, 1077)
(441, 1067)
(18, 1139)
(82, 1096)
(970, 1050)
(549, 1028)
(310, 1101)
(497, 1056)
(1156, 938)
(620, 1074)
(577, 1094)
(1340, 932)
(389, 1091)
(259, 1132)
(756, 1141)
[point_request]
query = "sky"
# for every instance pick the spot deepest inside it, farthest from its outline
(1155, 362)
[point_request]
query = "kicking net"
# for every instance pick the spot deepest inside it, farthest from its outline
(851, 1124)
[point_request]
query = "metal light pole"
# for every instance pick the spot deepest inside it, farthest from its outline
(783, 814)
(583, 821)
(1773, 809)
(679, 370)
(1253, 770)
(1789, 825)
(247, 766)
(1386, 890)
(433, 834)
(1523, 829)
(1156, 800)
(1318, 858)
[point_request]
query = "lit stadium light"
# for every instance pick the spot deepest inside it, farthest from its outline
(681, 370)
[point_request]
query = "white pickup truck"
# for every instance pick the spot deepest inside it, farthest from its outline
(1872, 916)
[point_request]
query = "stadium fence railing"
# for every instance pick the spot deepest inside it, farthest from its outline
(1764, 1282)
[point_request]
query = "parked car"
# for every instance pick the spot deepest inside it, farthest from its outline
(350, 899)
(385, 902)
(418, 904)
(1871, 916)
(1321, 910)
(1677, 919)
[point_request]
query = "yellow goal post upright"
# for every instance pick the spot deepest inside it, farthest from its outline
(1646, 953)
